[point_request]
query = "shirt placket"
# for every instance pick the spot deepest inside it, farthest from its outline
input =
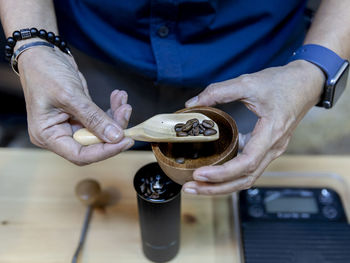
(164, 43)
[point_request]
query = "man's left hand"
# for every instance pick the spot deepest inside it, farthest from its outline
(280, 97)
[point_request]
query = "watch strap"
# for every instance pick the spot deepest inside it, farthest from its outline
(321, 56)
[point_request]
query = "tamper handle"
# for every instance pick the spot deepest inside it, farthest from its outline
(83, 233)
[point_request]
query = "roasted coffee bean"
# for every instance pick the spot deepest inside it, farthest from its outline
(181, 134)
(180, 160)
(178, 127)
(157, 186)
(201, 128)
(195, 155)
(149, 191)
(154, 196)
(195, 131)
(192, 120)
(208, 123)
(143, 188)
(187, 127)
(193, 128)
(209, 132)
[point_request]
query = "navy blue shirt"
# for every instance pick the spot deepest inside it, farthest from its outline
(185, 42)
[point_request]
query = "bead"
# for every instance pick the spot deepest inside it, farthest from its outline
(63, 44)
(17, 35)
(8, 48)
(8, 57)
(34, 32)
(11, 42)
(50, 37)
(8, 54)
(42, 34)
(25, 33)
(57, 41)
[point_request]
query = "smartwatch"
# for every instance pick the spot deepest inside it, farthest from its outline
(334, 67)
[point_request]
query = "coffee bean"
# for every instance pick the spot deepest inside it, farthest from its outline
(154, 196)
(187, 127)
(209, 132)
(193, 128)
(178, 127)
(195, 131)
(208, 123)
(157, 186)
(192, 120)
(149, 191)
(195, 155)
(181, 134)
(143, 188)
(180, 160)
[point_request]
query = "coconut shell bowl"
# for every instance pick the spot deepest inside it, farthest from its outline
(179, 160)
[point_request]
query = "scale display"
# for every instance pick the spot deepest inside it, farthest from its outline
(320, 204)
(291, 204)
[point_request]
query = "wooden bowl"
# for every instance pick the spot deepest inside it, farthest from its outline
(198, 154)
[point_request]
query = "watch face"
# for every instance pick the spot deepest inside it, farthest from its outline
(337, 86)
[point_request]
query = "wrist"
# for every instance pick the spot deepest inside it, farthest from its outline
(312, 76)
(27, 41)
(29, 56)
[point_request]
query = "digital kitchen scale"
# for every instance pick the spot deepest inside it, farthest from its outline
(293, 224)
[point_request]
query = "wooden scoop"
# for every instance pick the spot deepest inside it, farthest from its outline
(159, 128)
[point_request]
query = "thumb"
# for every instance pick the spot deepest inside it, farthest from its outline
(96, 121)
(217, 93)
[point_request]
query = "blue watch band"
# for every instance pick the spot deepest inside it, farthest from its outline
(323, 57)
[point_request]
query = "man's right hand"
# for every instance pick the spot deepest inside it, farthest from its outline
(57, 98)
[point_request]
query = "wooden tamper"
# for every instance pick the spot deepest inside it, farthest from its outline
(89, 193)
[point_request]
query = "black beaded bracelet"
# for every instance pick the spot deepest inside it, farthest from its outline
(31, 33)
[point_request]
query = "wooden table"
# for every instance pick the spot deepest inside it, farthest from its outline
(41, 219)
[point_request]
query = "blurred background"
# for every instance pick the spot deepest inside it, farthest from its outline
(320, 132)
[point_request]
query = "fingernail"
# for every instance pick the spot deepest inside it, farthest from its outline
(124, 98)
(113, 133)
(127, 114)
(114, 92)
(201, 178)
(128, 145)
(192, 102)
(190, 191)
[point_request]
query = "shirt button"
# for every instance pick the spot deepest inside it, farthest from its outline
(163, 31)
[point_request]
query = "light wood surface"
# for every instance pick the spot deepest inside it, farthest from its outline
(41, 219)
(159, 128)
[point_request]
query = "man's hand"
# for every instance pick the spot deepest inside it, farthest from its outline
(58, 102)
(280, 97)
